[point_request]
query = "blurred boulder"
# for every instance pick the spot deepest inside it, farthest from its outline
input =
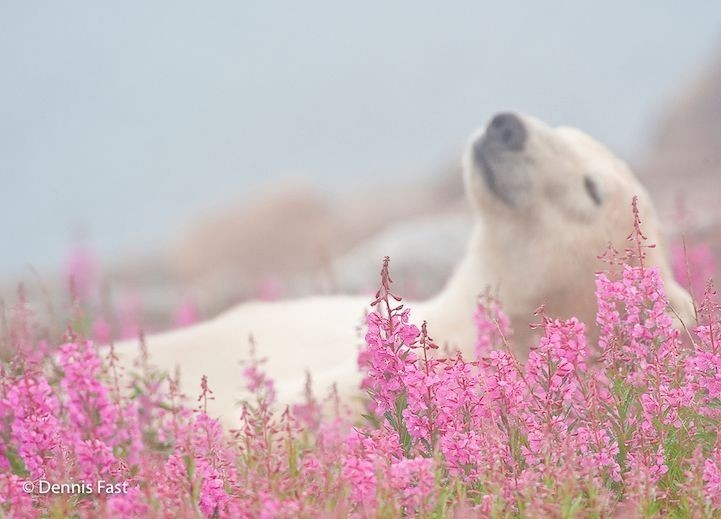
(682, 166)
(423, 251)
(302, 240)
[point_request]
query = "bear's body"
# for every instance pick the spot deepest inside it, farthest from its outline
(317, 334)
(548, 202)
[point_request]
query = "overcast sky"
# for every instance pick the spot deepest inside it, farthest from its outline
(125, 119)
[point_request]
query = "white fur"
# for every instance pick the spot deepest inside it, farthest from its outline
(541, 251)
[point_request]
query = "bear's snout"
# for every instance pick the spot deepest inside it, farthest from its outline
(508, 130)
(494, 154)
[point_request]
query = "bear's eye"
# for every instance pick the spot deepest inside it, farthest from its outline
(592, 190)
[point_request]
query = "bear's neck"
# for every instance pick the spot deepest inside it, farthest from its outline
(450, 313)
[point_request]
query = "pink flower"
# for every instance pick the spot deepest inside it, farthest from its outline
(131, 504)
(693, 266)
(212, 492)
(81, 272)
(386, 356)
(90, 407)
(186, 314)
(32, 410)
(414, 479)
(102, 331)
(493, 326)
(95, 460)
(258, 382)
(712, 478)
(14, 501)
(268, 289)
(360, 475)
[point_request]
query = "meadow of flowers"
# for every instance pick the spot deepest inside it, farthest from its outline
(625, 425)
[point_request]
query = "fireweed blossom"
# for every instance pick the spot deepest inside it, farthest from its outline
(623, 426)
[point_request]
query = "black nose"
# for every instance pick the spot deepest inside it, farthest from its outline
(507, 129)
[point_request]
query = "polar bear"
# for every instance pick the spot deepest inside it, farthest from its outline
(547, 202)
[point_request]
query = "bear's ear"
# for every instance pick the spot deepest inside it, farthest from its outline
(682, 307)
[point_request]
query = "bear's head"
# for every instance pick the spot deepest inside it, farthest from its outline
(549, 201)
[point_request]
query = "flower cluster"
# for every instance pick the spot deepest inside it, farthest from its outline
(614, 418)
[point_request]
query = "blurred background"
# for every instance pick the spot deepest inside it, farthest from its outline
(186, 153)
